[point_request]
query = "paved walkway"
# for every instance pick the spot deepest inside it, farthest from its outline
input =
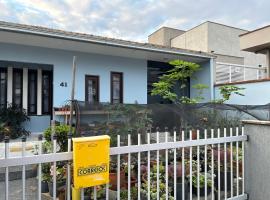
(15, 189)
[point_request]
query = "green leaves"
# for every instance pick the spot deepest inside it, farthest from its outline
(178, 76)
(227, 90)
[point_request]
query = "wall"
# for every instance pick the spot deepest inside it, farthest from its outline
(203, 77)
(134, 75)
(134, 71)
(224, 40)
(255, 94)
(163, 36)
(257, 162)
(194, 39)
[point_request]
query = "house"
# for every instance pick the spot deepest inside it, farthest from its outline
(36, 69)
(242, 58)
(219, 39)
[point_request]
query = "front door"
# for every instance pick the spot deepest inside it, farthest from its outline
(92, 89)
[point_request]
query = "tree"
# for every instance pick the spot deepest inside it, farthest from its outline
(226, 92)
(178, 76)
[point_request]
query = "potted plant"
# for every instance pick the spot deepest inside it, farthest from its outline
(179, 176)
(153, 185)
(113, 176)
(46, 177)
(60, 178)
(201, 180)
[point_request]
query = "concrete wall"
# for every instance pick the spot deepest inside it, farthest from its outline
(255, 94)
(194, 39)
(225, 40)
(222, 40)
(163, 36)
(257, 162)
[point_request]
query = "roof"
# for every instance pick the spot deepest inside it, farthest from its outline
(255, 30)
(83, 37)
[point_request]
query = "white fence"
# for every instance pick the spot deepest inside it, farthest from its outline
(229, 73)
(206, 164)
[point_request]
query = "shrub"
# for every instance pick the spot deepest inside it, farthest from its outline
(12, 118)
(61, 132)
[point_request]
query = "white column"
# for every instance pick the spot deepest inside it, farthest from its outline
(25, 88)
(9, 84)
(39, 92)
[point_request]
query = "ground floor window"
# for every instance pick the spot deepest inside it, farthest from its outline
(32, 92)
(3, 87)
(92, 89)
(17, 92)
(46, 92)
(116, 87)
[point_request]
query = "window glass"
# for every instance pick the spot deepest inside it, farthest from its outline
(3, 87)
(116, 87)
(32, 92)
(17, 87)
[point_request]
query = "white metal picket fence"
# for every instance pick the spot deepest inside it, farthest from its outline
(211, 164)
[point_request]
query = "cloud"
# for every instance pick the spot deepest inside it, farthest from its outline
(133, 20)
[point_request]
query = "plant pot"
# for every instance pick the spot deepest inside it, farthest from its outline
(58, 184)
(202, 191)
(44, 187)
(178, 170)
(179, 189)
(222, 181)
(113, 179)
(112, 194)
(240, 168)
(222, 155)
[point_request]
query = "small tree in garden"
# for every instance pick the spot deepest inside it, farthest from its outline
(177, 78)
(227, 90)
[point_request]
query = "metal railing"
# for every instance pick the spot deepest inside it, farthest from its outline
(229, 73)
(203, 164)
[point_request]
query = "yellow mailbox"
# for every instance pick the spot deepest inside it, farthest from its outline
(91, 156)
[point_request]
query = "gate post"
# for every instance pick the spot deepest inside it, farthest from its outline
(257, 159)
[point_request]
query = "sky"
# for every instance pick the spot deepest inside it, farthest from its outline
(134, 19)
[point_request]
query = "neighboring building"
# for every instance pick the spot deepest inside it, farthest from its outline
(210, 37)
(256, 91)
(36, 69)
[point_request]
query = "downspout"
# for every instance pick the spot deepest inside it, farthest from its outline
(212, 77)
(268, 62)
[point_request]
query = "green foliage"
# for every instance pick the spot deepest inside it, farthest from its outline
(124, 119)
(178, 76)
(153, 184)
(227, 90)
(201, 180)
(61, 131)
(11, 121)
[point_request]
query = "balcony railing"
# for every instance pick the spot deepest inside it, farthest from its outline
(230, 73)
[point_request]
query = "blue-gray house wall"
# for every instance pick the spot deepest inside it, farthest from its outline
(134, 75)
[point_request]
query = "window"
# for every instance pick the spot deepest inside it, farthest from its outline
(3, 87)
(46, 92)
(32, 92)
(116, 87)
(92, 89)
(17, 87)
